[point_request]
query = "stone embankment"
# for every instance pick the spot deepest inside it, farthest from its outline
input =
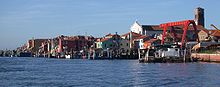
(206, 57)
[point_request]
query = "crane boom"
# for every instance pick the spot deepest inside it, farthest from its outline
(215, 27)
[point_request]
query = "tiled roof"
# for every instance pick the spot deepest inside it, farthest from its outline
(215, 33)
(150, 41)
(133, 34)
(140, 37)
(104, 39)
(109, 34)
(205, 30)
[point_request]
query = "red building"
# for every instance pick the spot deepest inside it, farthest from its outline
(74, 43)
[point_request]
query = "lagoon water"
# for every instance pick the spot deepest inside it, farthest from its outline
(45, 72)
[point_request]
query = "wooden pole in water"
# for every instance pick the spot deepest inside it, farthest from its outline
(108, 53)
(139, 54)
(94, 54)
(147, 55)
(184, 58)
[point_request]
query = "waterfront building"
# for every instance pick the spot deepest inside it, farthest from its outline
(33, 45)
(204, 35)
(215, 35)
(136, 40)
(108, 42)
(124, 45)
(67, 45)
(209, 35)
(151, 43)
(114, 45)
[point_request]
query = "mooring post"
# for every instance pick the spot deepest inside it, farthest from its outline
(139, 54)
(147, 55)
(184, 56)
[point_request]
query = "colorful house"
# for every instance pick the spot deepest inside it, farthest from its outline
(151, 42)
(136, 40)
(110, 41)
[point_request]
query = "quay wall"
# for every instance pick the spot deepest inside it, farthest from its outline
(206, 57)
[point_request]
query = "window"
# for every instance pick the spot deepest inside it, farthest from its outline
(127, 44)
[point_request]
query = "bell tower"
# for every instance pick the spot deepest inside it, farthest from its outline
(199, 16)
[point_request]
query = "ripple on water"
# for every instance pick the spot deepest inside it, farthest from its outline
(56, 72)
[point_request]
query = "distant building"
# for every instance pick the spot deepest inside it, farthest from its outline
(74, 43)
(151, 42)
(110, 41)
(136, 40)
(34, 45)
(215, 35)
(204, 35)
(209, 35)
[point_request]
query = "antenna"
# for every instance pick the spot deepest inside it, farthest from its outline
(85, 33)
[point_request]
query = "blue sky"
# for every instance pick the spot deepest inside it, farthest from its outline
(21, 20)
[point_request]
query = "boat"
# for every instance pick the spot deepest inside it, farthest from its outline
(165, 53)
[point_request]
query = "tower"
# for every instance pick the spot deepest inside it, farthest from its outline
(199, 16)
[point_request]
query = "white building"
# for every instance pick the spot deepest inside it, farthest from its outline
(149, 30)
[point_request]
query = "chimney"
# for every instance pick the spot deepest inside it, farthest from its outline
(199, 16)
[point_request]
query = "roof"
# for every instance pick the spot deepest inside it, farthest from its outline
(205, 30)
(104, 39)
(151, 40)
(152, 27)
(109, 34)
(140, 37)
(215, 33)
(133, 34)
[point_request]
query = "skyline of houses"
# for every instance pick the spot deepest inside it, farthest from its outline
(139, 37)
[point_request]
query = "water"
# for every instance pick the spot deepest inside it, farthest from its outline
(35, 72)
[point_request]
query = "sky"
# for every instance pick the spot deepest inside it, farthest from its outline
(21, 20)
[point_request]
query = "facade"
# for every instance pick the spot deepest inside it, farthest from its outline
(141, 41)
(215, 35)
(209, 35)
(136, 40)
(151, 42)
(34, 45)
(74, 43)
(110, 41)
(203, 35)
(124, 45)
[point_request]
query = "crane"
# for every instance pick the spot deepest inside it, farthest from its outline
(215, 27)
(185, 25)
